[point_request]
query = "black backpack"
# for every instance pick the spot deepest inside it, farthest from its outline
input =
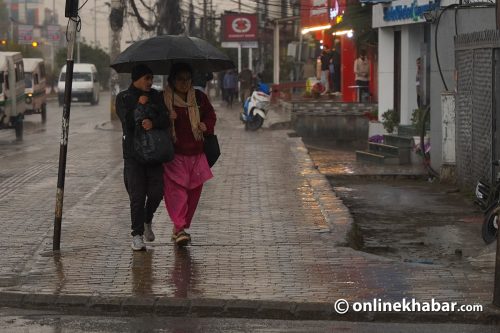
(154, 146)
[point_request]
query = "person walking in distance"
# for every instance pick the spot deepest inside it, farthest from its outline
(230, 86)
(143, 182)
(193, 117)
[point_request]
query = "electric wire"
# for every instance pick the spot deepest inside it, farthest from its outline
(83, 5)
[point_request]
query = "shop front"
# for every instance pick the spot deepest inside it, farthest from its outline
(403, 56)
(321, 21)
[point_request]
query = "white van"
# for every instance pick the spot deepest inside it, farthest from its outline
(34, 81)
(85, 87)
(12, 100)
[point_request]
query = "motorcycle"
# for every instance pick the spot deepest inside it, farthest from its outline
(255, 107)
(488, 198)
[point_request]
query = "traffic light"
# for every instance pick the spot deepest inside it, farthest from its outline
(3, 42)
(34, 44)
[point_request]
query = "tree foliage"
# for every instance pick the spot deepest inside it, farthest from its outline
(4, 20)
(170, 20)
(167, 13)
(89, 54)
(359, 18)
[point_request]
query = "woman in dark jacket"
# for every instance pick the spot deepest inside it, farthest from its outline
(192, 117)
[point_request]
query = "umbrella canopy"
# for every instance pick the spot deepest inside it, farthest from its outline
(160, 52)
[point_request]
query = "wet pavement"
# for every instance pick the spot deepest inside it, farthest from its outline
(400, 213)
(269, 237)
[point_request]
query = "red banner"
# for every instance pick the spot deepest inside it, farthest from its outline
(314, 13)
(239, 27)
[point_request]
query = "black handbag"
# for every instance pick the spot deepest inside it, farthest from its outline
(211, 149)
(154, 146)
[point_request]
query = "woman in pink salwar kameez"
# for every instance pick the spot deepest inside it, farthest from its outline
(192, 117)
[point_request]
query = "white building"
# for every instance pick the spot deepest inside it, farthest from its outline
(403, 37)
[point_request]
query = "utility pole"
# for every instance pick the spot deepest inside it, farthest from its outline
(52, 49)
(211, 21)
(116, 24)
(95, 23)
(72, 13)
(204, 27)
(78, 47)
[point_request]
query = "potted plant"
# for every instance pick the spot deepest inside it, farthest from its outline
(390, 119)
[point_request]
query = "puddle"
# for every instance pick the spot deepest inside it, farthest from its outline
(411, 220)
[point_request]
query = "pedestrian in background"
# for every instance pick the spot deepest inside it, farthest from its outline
(308, 70)
(192, 117)
(220, 84)
(325, 68)
(231, 86)
(418, 82)
(362, 73)
(335, 60)
(144, 182)
(246, 84)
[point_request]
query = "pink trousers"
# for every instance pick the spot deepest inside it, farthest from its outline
(183, 180)
(181, 203)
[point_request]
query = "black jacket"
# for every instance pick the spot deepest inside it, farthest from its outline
(126, 106)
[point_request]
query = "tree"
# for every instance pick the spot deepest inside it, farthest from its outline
(4, 20)
(170, 19)
(359, 18)
(89, 54)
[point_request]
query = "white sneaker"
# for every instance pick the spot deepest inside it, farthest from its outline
(138, 243)
(148, 232)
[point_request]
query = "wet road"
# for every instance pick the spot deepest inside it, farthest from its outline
(21, 321)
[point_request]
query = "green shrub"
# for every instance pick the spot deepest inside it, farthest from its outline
(390, 119)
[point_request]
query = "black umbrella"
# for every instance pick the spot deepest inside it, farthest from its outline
(160, 52)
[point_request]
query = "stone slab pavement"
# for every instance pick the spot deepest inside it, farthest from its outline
(268, 241)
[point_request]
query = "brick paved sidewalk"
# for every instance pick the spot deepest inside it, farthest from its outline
(267, 241)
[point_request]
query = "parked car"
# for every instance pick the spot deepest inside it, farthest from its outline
(12, 100)
(85, 87)
(34, 81)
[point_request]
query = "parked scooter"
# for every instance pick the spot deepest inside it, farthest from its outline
(488, 198)
(255, 107)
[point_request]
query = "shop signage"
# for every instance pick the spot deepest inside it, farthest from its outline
(409, 12)
(316, 13)
(54, 33)
(239, 27)
(25, 33)
(335, 11)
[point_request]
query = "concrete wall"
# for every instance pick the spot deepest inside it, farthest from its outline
(412, 37)
(385, 70)
(334, 120)
(468, 20)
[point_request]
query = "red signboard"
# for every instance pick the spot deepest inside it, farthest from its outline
(239, 27)
(314, 13)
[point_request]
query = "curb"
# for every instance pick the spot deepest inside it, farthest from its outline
(234, 308)
(336, 214)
